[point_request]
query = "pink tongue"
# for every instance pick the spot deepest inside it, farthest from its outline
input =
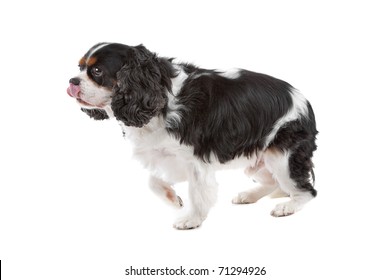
(73, 90)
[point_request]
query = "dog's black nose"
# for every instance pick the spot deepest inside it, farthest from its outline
(75, 81)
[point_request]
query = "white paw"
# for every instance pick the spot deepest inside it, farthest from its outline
(285, 209)
(188, 222)
(244, 198)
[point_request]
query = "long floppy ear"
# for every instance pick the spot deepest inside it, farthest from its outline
(96, 114)
(140, 93)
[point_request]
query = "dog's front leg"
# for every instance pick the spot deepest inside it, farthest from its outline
(202, 188)
(165, 191)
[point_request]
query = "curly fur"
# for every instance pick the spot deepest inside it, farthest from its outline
(140, 93)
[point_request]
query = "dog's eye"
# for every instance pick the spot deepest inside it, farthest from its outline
(97, 72)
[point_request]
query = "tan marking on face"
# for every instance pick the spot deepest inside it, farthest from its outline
(82, 61)
(91, 61)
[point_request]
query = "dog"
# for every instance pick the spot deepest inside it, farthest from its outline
(185, 123)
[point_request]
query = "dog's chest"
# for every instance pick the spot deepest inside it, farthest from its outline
(161, 153)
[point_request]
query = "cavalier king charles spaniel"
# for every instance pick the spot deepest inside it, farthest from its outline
(185, 123)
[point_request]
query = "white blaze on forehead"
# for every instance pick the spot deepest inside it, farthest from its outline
(95, 49)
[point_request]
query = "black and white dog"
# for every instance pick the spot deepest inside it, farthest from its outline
(186, 123)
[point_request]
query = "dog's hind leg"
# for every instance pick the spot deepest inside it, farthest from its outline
(278, 193)
(292, 171)
(267, 186)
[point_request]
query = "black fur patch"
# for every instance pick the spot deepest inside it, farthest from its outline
(96, 114)
(229, 117)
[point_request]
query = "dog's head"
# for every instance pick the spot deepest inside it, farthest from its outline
(131, 80)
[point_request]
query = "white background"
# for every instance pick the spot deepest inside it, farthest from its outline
(74, 205)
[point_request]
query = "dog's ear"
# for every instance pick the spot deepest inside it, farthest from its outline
(96, 114)
(140, 92)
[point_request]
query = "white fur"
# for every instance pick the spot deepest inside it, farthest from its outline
(173, 116)
(264, 177)
(178, 81)
(91, 93)
(277, 163)
(172, 162)
(273, 176)
(231, 73)
(165, 191)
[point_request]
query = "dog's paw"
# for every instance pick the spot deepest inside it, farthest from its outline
(244, 198)
(284, 209)
(172, 198)
(188, 222)
(176, 202)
